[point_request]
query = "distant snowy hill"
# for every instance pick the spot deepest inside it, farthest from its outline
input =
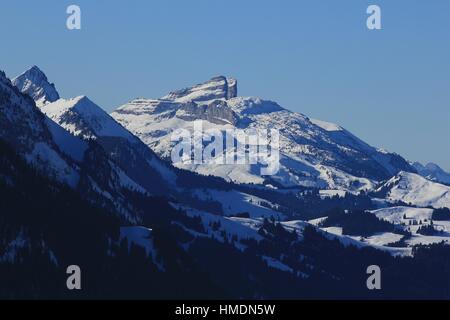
(433, 172)
(412, 219)
(313, 153)
(414, 189)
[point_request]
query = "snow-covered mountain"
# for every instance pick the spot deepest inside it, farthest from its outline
(433, 172)
(35, 83)
(313, 153)
(416, 190)
(204, 222)
(31, 133)
(83, 119)
(60, 155)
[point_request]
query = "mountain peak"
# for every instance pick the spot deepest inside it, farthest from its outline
(217, 88)
(3, 77)
(35, 69)
(34, 83)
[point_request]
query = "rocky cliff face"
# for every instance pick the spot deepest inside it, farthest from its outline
(232, 88)
(218, 88)
(216, 112)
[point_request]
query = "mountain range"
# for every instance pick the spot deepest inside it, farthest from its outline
(314, 153)
(179, 225)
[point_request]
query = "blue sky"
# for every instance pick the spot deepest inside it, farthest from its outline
(389, 87)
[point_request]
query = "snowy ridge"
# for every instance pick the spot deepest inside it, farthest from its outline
(416, 190)
(81, 117)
